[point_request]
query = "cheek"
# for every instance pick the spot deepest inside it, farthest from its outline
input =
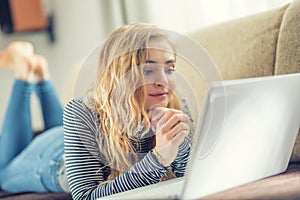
(147, 88)
(172, 83)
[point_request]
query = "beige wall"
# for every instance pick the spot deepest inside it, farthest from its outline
(78, 28)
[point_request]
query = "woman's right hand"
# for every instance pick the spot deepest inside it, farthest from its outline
(170, 126)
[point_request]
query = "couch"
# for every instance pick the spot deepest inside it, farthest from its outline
(263, 44)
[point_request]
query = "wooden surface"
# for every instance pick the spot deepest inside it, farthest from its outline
(282, 186)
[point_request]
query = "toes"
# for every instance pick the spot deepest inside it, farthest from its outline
(40, 68)
(23, 48)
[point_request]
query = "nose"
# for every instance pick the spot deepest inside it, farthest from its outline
(161, 78)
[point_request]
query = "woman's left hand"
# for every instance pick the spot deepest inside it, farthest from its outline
(170, 126)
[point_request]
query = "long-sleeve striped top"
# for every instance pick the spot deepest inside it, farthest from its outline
(86, 166)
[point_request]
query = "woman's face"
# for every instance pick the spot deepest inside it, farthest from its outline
(159, 73)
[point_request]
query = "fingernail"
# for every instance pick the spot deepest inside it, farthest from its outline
(154, 106)
(154, 117)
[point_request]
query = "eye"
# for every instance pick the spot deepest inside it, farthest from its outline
(169, 70)
(147, 71)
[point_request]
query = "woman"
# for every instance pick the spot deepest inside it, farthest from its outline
(130, 131)
(127, 133)
(28, 165)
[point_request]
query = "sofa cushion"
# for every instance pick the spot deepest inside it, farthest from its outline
(239, 48)
(258, 45)
(30, 196)
(288, 48)
(288, 53)
(244, 47)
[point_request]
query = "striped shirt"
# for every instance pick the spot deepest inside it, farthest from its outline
(86, 167)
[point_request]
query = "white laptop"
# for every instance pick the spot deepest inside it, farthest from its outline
(247, 132)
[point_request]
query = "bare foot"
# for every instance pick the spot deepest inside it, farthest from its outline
(16, 58)
(40, 68)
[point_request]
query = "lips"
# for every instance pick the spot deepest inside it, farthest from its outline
(159, 94)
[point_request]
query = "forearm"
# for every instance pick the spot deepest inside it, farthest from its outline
(145, 172)
(180, 163)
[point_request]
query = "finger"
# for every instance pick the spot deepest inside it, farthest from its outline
(174, 120)
(169, 135)
(154, 116)
(158, 113)
(177, 130)
(160, 124)
(156, 109)
(179, 138)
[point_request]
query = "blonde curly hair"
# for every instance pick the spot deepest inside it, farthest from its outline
(118, 95)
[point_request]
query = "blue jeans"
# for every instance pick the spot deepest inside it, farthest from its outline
(27, 164)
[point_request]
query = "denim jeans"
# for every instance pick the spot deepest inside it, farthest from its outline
(27, 164)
